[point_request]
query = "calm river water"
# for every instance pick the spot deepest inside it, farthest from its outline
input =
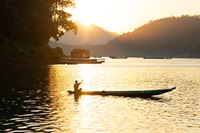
(35, 99)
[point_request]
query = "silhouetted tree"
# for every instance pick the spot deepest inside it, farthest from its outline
(34, 22)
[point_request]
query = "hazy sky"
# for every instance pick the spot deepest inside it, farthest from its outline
(125, 15)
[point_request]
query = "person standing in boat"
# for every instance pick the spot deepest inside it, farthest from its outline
(76, 87)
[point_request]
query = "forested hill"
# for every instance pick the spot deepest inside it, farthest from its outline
(173, 36)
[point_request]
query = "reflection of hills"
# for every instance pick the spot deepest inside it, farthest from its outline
(92, 35)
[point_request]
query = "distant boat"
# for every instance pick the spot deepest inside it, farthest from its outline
(136, 93)
(114, 57)
(157, 58)
(81, 56)
(83, 61)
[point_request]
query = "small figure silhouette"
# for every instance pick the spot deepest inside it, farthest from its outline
(76, 87)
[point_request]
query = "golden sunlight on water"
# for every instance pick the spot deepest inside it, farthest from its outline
(86, 75)
(45, 105)
(167, 113)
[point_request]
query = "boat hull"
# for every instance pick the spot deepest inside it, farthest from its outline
(137, 93)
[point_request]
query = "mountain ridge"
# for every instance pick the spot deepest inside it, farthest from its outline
(166, 37)
(87, 35)
(172, 36)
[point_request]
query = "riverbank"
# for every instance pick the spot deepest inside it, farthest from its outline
(12, 53)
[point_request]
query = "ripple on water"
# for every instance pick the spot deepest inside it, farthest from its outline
(47, 108)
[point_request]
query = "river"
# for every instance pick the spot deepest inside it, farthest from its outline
(35, 98)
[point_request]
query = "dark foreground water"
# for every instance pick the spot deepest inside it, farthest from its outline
(35, 99)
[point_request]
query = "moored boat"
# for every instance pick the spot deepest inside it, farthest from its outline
(115, 57)
(135, 93)
(83, 61)
(81, 56)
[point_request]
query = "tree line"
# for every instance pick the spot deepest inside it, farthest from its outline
(34, 22)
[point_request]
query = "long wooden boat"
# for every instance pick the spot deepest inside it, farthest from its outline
(136, 93)
(82, 61)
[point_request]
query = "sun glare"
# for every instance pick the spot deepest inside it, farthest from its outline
(85, 71)
(82, 12)
(123, 16)
(86, 22)
(98, 13)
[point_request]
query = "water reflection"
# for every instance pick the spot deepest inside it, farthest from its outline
(24, 95)
(86, 75)
(35, 99)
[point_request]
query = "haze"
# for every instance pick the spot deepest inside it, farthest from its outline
(126, 15)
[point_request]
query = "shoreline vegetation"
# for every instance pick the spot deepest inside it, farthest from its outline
(12, 53)
(27, 26)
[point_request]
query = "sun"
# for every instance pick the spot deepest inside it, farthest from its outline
(83, 12)
(95, 12)
(82, 19)
(86, 22)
